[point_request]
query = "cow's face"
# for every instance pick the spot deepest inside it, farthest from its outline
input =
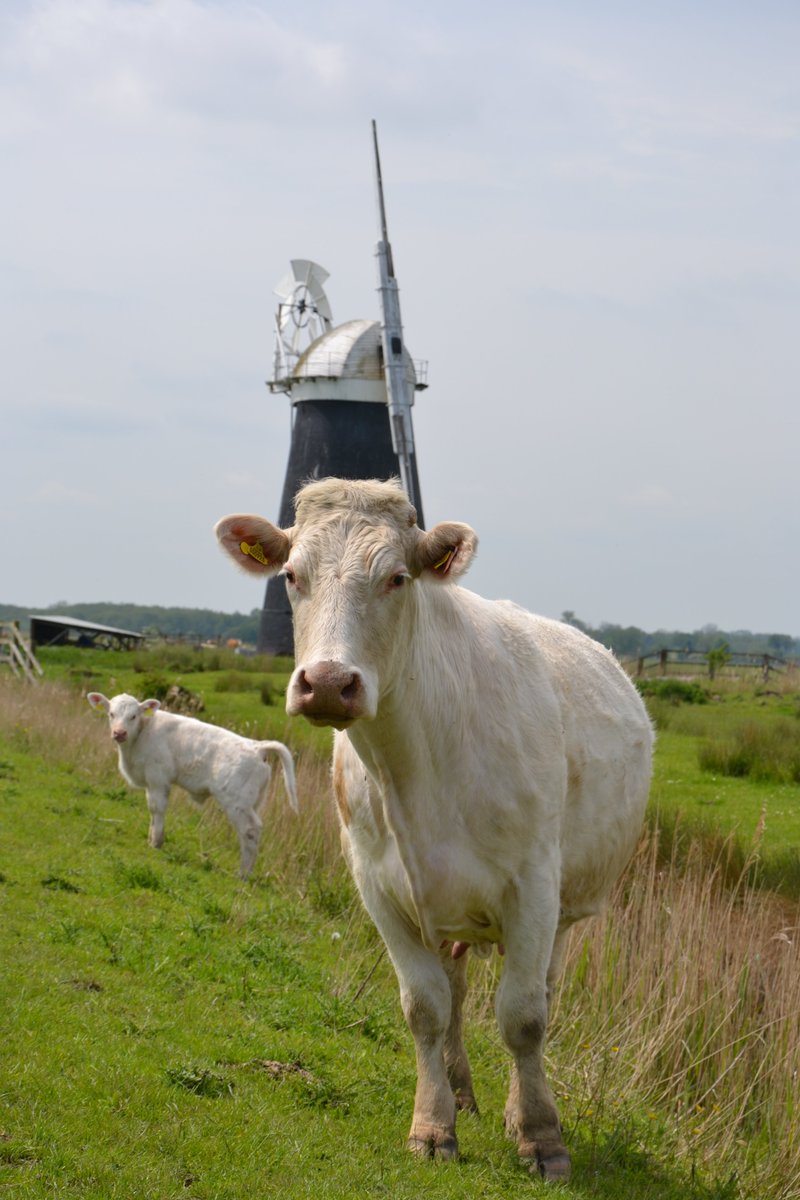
(351, 565)
(125, 714)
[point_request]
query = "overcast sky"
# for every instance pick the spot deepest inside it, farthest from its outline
(594, 214)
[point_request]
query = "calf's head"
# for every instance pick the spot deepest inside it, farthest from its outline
(125, 714)
(351, 563)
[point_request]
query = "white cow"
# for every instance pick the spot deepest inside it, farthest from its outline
(491, 774)
(158, 749)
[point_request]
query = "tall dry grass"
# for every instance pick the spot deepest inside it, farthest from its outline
(51, 721)
(684, 997)
(698, 985)
(681, 1003)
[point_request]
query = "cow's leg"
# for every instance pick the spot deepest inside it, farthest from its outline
(455, 1054)
(426, 1001)
(553, 972)
(522, 1004)
(157, 804)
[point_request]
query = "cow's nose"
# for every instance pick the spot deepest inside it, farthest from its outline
(119, 735)
(328, 693)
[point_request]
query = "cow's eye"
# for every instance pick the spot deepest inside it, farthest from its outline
(290, 576)
(397, 581)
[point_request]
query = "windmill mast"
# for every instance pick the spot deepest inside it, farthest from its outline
(399, 387)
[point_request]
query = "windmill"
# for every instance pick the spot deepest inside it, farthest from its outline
(303, 315)
(351, 388)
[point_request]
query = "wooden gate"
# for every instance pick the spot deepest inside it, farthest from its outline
(15, 652)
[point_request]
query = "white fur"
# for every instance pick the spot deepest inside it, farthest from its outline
(491, 771)
(158, 749)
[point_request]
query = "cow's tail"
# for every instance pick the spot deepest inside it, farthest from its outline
(287, 762)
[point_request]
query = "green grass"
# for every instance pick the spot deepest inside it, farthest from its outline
(765, 753)
(166, 1031)
(760, 816)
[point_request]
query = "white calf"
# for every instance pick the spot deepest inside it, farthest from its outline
(158, 749)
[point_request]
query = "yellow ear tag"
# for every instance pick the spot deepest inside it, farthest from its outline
(255, 552)
(444, 561)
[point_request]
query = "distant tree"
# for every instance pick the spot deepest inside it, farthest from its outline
(569, 618)
(625, 641)
(781, 644)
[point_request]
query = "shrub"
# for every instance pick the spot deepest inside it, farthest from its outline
(153, 687)
(716, 658)
(766, 753)
(676, 691)
(234, 681)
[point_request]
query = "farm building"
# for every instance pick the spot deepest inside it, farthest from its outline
(48, 630)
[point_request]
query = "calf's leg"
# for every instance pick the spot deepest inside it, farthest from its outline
(157, 804)
(248, 826)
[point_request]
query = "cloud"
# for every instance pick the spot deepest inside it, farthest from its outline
(593, 217)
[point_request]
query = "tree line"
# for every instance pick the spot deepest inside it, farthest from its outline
(187, 624)
(628, 641)
(205, 624)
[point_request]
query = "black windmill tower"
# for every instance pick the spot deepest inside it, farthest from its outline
(351, 389)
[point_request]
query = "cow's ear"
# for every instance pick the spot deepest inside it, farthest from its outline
(446, 551)
(253, 543)
(148, 707)
(98, 700)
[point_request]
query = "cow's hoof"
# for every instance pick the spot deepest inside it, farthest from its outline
(466, 1102)
(556, 1168)
(437, 1146)
(552, 1164)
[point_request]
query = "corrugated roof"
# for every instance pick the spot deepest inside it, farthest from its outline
(76, 623)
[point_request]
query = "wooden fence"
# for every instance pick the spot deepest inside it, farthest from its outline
(695, 662)
(15, 652)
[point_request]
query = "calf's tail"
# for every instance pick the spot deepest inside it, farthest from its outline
(287, 762)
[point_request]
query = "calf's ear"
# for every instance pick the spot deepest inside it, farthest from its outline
(253, 543)
(446, 551)
(148, 707)
(97, 700)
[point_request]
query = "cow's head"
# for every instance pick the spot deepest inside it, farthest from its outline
(125, 714)
(351, 563)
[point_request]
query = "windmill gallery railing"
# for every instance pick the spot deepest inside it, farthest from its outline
(674, 662)
(15, 652)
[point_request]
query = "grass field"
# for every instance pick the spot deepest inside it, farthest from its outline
(166, 1031)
